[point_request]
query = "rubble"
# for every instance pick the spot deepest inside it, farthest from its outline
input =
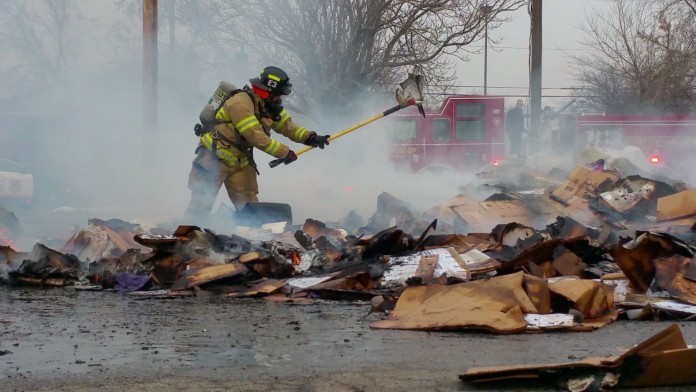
(391, 211)
(583, 182)
(537, 254)
(632, 197)
(45, 267)
(102, 239)
(208, 274)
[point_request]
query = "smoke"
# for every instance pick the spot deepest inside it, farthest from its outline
(350, 174)
(82, 134)
(92, 156)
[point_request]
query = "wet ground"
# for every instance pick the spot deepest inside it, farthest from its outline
(63, 339)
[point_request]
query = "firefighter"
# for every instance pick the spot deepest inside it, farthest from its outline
(243, 122)
(514, 125)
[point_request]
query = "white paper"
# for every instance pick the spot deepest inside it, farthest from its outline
(303, 283)
(553, 320)
(674, 306)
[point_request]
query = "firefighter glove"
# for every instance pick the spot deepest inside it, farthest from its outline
(315, 140)
(291, 157)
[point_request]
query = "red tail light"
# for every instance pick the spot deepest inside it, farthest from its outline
(655, 159)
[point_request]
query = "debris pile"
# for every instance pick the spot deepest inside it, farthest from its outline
(538, 253)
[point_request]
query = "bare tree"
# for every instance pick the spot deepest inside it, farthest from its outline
(200, 29)
(197, 38)
(686, 5)
(337, 49)
(333, 49)
(39, 39)
(642, 59)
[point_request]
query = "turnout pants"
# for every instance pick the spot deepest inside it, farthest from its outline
(207, 175)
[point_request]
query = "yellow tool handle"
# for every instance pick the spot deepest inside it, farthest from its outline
(361, 124)
(343, 132)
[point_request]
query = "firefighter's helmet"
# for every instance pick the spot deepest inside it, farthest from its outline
(274, 80)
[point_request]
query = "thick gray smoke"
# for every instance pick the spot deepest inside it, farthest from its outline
(92, 155)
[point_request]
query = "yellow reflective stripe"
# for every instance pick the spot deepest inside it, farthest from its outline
(273, 147)
(224, 154)
(222, 115)
(207, 141)
(300, 133)
(273, 77)
(251, 124)
(247, 123)
(284, 116)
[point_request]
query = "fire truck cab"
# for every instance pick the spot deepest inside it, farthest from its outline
(465, 134)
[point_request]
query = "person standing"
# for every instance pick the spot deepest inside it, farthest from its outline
(514, 125)
(243, 123)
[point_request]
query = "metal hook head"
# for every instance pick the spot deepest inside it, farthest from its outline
(411, 88)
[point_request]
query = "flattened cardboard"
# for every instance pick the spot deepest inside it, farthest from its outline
(484, 216)
(663, 359)
(677, 206)
(662, 368)
(478, 262)
(493, 305)
(208, 274)
(265, 287)
(249, 257)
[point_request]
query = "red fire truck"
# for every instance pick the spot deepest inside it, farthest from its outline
(665, 140)
(468, 132)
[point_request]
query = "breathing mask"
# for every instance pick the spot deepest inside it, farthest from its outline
(274, 106)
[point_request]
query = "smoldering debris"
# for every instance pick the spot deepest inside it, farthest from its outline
(572, 255)
(536, 255)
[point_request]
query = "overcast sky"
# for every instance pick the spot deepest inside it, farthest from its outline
(508, 64)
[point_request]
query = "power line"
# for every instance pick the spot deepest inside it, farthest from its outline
(526, 48)
(506, 87)
(522, 95)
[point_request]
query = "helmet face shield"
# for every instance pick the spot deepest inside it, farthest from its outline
(287, 89)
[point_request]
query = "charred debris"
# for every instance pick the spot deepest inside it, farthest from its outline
(542, 252)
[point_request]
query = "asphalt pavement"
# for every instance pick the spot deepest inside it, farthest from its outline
(63, 339)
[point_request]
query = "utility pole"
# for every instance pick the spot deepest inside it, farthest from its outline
(535, 76)
(150, 65)
(486, 9)
(171, 10)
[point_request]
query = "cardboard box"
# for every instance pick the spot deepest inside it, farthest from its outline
(582, 182)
